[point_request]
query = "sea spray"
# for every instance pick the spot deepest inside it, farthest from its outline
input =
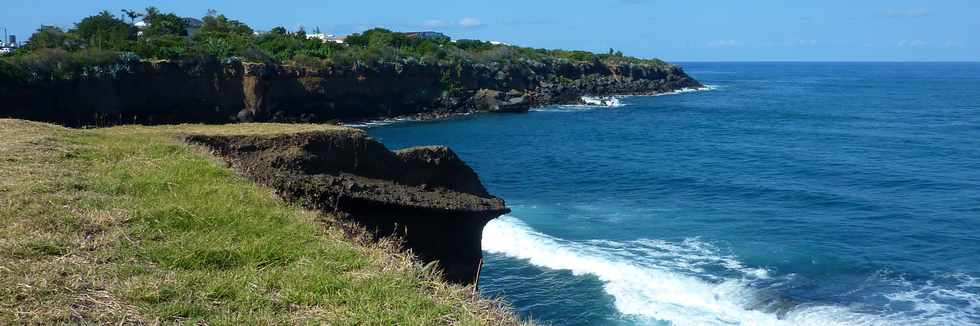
(660, 284)
(602, 101)
(690, 90)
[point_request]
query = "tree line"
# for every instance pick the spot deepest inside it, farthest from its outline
(105, 39)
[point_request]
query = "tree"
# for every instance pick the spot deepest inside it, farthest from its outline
(279, 30)
(132, 14)
(104, 31)
(214, 23)
(47, 37)
(221, 37)
(160, 24)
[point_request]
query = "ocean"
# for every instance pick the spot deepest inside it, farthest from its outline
(787, 194)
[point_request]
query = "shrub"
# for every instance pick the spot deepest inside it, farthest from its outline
(47, 37)
(161, 24)
(57, 64)
(162, 47)
(309, 62)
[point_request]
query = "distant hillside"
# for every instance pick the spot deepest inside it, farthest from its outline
(108, 71)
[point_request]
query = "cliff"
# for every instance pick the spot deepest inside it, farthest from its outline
(425, 195)
(131, 225)
(157, 92)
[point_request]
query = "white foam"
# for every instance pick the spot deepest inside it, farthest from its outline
(564, 108)
(931, 302)
(665, 282)
(588, 103)
(601, 101)
(690, 90)
(377, 123)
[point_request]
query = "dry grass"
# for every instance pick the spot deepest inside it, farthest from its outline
(241, 129)
(130, 226)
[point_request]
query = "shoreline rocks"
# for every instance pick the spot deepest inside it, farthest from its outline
(165, 92)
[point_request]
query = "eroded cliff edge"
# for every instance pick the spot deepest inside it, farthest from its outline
(158, 92)
(426, 195)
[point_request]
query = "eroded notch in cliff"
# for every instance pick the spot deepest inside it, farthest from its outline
(426, 195)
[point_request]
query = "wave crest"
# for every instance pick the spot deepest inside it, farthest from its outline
(668, 281)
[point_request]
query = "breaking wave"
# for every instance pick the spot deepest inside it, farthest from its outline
(602, 101)
(690, 90)
(693, 283)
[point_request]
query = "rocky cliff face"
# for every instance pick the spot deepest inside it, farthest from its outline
(170, 92)
(426, 195)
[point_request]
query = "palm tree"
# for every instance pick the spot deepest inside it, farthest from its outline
(132, 14)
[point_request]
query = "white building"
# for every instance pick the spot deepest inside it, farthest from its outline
(8, 44)
(326, 38)
(192, 25)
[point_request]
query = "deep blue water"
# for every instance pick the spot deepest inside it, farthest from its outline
(791, 193)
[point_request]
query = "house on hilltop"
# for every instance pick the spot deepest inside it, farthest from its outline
(327, 38)
(9, 45)
(192, 25)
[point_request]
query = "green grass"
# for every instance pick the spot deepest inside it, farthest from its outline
(130, 225)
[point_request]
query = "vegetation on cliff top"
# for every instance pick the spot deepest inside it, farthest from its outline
(131, 225)
(103, 42)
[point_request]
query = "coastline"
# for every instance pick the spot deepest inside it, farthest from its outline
(170, 92)
(582, 102)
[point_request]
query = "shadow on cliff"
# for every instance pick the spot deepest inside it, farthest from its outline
(166, 92)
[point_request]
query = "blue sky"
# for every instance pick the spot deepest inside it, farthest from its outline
(698, 30)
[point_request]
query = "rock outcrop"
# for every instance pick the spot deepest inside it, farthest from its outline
(426, 195)
(157, 92)
(496, 101)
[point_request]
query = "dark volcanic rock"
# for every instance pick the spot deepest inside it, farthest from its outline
(426, 195)
(501, 102)
(156, 92)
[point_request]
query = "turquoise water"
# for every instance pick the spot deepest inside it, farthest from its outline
(790, 193)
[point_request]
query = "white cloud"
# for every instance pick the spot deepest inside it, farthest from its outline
(912, 43)
(469, 22)
(724, 43)
(906, 13)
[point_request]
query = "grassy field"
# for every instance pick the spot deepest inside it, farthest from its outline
(129, 225)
